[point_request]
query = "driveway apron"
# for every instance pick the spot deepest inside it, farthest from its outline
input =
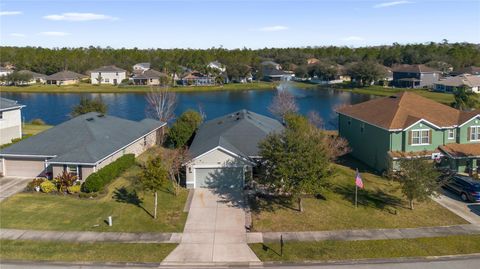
(214, 231)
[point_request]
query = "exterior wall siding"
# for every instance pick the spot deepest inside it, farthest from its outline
(10, 125)
(463, 131)
(110, 76)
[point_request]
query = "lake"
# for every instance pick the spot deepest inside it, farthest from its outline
(54, 108)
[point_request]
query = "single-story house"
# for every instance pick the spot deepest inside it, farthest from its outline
(149, 77)
(198, 79)
(467, 81)
(10, 120)
(108, 75)
(141, 67)
(224, 150)
(80, 146)
(36, 77)
(277, 75)
(64, 78)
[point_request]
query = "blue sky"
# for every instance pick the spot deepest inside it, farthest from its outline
(235, 24)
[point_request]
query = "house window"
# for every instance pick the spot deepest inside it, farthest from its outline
(107, 80)
(475, 133)
(1, 115)
(451, 134)
(362, 127)
(72, 169)
(349, 121)
(144, 141)
(420, 137)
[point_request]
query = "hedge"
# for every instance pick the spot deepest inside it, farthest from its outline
(98, 180)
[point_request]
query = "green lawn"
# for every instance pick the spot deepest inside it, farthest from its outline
(83, 252)
(131, 210)
(375, 249)
(380, 206)
(89, 88)
(33, 129)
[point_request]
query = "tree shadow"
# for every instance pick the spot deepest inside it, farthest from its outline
(369, 198)
(269, 203)
(123, 195)
(354, 164)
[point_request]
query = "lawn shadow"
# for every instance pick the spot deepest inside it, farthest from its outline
(267, 248)
(354, 164)
(369, 198)
(123, 195)
(264, 202)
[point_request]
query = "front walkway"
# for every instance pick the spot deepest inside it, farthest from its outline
(214, 232)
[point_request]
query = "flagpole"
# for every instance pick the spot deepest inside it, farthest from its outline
(356, 188)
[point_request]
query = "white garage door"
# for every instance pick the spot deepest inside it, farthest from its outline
(225, 177)
(23, 167)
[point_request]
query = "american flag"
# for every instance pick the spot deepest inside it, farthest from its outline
(358, 180)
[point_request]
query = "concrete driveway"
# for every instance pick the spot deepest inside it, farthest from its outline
(215, 231)
(11, 185)
(468, 211)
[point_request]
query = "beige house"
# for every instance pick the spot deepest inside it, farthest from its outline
(149, 77)
(80, 146)
(36, 77)
(10, 120)
(108, 75)
(467, 81)
(225, 150)
(64, 78)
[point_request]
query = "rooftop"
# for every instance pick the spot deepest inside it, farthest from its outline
(109, 68)
(460, 81)
(400, 111)
(65, 75)
(34, 74)
(84, 139)
(239, 132)
(7, 104)
(416, 68)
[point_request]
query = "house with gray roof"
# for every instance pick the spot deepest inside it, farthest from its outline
(36, 77)
(109, 74)
(148, 77)
(469, 82)
(141, 67)
(224, 150)
(10, 120)
(414, 76)
(79, 146)
(64, 78)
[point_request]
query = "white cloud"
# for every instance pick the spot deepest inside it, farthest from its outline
(353, 38)
(10, 13)
(73, 16)
(391, 4)
(53, 33)
(274, 28)
(17, 35)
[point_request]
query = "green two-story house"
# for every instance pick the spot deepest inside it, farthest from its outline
(384, 130)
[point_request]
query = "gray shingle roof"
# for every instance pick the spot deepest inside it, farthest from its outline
(150, 73)
(65, 75)
(85, 139)
(35, 75)
(109, 68)
(7, 104)
(144, 65)
(239, 132)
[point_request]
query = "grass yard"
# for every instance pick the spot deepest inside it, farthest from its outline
(375, 249)
(131, 210)
(83, 252)
(89, 88)
(380, 206)
(33, 129)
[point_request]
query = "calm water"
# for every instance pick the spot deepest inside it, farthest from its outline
(54, 108)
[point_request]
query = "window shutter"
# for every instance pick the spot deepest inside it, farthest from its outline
(409, 137)
(429, 136)
(469, 131)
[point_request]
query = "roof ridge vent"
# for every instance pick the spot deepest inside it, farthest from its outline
(89, 119)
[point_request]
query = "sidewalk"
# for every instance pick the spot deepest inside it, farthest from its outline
(343, 235)
(14, 234)
(371, 234)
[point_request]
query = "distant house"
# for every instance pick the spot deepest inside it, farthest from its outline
(36, 77)
(414, 76)
(108, 75)
(472, 70)
(10, 120)
(80, 146)
(217, 65)
(64, 78)
(141, 67)
(385, 130)
(277, 75)
(466, 81)
(196, 78)
(5, 71)
(270, 65)
(149, 77)
(312, 61)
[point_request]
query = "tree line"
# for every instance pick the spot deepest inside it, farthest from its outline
(51, 60)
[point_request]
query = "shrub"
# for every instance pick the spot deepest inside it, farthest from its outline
(37, 122)
(98, 180)
(74, 189)
(47, 186)
(65, 180)
(34, 183)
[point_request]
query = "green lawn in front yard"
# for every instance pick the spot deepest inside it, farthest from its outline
(131, 210)
(371, 249)
(33, 129)
(83, 252)
(381, 205)
(89, 88)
